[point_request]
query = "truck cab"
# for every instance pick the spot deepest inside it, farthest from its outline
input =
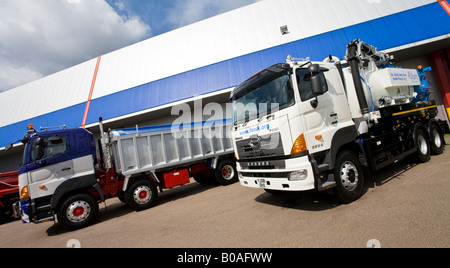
(54, 164)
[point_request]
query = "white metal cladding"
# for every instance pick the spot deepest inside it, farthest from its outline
(49, 94)
(228, 36)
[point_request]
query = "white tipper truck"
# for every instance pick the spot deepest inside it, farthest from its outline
(305, 125)
(65, 174)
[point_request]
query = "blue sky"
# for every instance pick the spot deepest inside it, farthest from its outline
(42, 37)
(154, 13)
(166, 15)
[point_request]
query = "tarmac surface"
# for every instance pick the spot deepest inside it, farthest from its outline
(405, 205)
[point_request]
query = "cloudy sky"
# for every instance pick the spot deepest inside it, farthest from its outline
(41, 37)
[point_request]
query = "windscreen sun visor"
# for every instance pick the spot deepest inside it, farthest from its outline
(259, 79)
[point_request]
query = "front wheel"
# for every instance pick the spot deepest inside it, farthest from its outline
(349, 177)
(78, 211)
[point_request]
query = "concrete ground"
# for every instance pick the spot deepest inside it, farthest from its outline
(405, 205)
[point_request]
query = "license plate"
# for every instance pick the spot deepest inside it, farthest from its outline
(262, 183)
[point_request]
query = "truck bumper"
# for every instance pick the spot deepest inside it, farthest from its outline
(24, 207)
(295, 175)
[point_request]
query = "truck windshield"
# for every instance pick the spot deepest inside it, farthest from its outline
(265, 93)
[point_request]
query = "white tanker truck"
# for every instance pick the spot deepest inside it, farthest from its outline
(305, 125)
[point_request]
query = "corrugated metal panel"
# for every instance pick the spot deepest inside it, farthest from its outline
(216, 54)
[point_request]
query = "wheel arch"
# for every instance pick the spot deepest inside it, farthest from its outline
(345, 139)
(71, 187)
(152, 177)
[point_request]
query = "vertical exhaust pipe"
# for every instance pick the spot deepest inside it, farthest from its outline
(352, 57)
(102, 130)
(107, 159)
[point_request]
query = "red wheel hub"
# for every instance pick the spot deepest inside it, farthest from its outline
(143, 195)
(77, 212)
(225, 172)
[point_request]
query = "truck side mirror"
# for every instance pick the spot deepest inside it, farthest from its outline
(38, 152)
(316, 81)
(317, 85)
(38, 149)
(26, 139)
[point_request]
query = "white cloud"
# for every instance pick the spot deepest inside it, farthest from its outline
(10, 76)
(38, 38)
(120, 5)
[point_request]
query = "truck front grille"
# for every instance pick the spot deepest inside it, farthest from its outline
(279, 175)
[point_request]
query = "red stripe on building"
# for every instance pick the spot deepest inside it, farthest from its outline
(88, 104)
(445, 5)
(441, 67)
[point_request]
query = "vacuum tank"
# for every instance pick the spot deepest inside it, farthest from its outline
(377, 83)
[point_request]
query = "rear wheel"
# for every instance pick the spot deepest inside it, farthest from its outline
(203, 177)
(141, 195)
(423, 146)
(226, 173)
(437, 143)
(349, 176)
(78, 211)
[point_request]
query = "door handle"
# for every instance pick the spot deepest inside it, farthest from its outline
(66, 169)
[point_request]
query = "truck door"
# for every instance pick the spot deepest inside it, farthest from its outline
(316, 114)
(50, 165)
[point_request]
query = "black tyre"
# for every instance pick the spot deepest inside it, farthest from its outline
(203, 178)
(423, 146)
(141, 195)
(226, 173)
(349, 176)
(437, 142)
(78, 211)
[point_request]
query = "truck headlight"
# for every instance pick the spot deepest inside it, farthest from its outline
(24, 193)
(298, 175)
